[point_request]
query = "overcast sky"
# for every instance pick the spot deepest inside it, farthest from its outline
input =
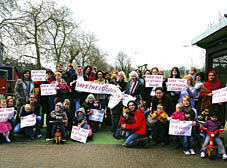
(151, 32)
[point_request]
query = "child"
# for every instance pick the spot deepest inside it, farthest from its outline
(179, 114)
(58, 115)
(80, 120)
(94, 124)
(62, 85)
(204, 116)
(5, 126)
(125, 119)
(188, 141)
(27, 110)
(70, 114)
(212, 125)
(160, 130)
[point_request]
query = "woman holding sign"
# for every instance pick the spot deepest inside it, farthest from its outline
(138, 126)
(205, 97)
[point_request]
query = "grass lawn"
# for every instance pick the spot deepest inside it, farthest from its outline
(102, 136)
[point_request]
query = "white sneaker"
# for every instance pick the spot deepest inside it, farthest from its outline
(192, 151)
(39, 136)
(48, 139)
(224, 156)
(186, 152)
(202, 155)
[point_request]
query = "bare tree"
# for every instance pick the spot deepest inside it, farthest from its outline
(123, 62)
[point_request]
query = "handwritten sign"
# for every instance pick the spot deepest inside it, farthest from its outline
(48, 89)
(182, 128)
(126, 98)
(6, 113)
(113, 101)
(153, 80)
(219, 95)
(27, 121)
(98, 88)
(79, 134)
(38, 75)
(97, 115)
(176, 84)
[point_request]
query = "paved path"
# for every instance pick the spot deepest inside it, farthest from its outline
(33, 154)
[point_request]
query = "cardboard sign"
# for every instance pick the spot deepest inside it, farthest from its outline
(113, 101)
(219, 95)
(38, 75)
(79, 134)
(176, 84)
(126, 98)
(97, 115)
(153, 80)
(182, 128)
(6, 113)
(48, 89)
(27, 121)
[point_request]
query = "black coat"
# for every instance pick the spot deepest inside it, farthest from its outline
(138, 92)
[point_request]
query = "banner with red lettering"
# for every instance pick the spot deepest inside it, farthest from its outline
(113, 101)
(27, 121)
(48, 89)
(219, 95)
(97, 115)
(175, 84)
(182, 128)
(153, 80)
(79, 134)
(126, 98)
(6, 113)
(98, 88)
(38, 75)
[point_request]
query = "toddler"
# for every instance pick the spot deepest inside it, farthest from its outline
(58, 115)
(179, 114)
(5, 126)
(212, 125)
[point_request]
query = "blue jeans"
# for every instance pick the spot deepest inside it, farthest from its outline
(187, 142)
(60, 124)
(129, 141)
(17, 129)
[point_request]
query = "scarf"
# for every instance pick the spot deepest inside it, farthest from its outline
(212, 85)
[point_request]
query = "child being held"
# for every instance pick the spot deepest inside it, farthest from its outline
(59, 116)
(212, 125)
(5, 126)
(179, 113)
(125, 119)
(188, 141)
(205, 115)
(62, 85)
(160, 130)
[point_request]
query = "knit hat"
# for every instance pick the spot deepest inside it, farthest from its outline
(81, 110)
(60, 105)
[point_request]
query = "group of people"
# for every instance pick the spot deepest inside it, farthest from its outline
(146, 117)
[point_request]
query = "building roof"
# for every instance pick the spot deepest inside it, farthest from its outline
(211, 35)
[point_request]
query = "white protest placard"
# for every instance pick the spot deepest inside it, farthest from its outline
(182, 128)
(38, 75)
(126, 98)
(113, 101)
(48, 89)
(99, 88)
(219, 95)
(97, 115)
(175, 84)
(27, 121)
(6, 113)
(79, 134)
(153, 80)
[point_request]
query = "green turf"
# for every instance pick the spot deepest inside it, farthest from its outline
(102, 136)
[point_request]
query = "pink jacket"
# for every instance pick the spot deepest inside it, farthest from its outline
(178, 116)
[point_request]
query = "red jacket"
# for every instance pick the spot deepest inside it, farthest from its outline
(139, 124)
